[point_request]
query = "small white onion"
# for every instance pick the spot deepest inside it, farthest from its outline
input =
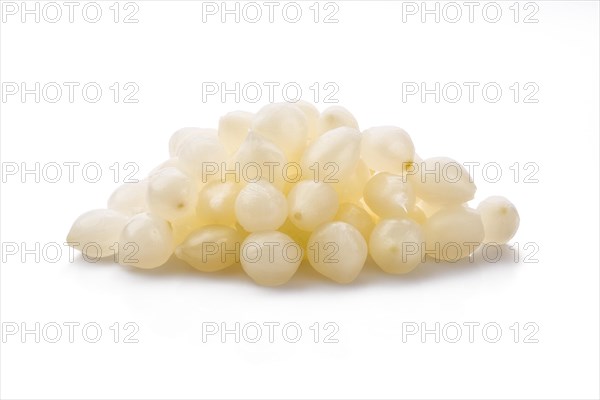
(182, 135)
(351, 189)
(129, 198)
(387, 148)
(258, 158)
(211, 248)
(395, 245)
(389, 195)
(311, 203)
(270, 258)
(203, 157)
(356, 216)
(216, 203)
(338, 251)
(453, 233)
(171, 194)
(285, 125)
(171, 162)
(312, 116)
(260, 206)
(233, 128)
(441, 181)
(333, 156)
(96, 233)
(146, 242)
(500, 219)
(335, 117)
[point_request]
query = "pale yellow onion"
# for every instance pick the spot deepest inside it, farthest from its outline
(356, 216)
(395, 245)
(338, 251)
(500, 219)
(311, 203)
(387, 148)
(233, 129)
(285, 125)
(129, 198)
(182, 135)
(211, 248)
(389, 195)
(96, 233)
(171, 194)
(442, 181)
(259, 158)
(351, 189)
(145, 242)
(171, 162)
(203, 157)
(270, 258)
(453, 233)
(260, 206)
(335, 117)
(332, 157)
(216, 203)
(312, 116)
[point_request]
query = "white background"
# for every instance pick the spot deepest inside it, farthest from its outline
(369, 53)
